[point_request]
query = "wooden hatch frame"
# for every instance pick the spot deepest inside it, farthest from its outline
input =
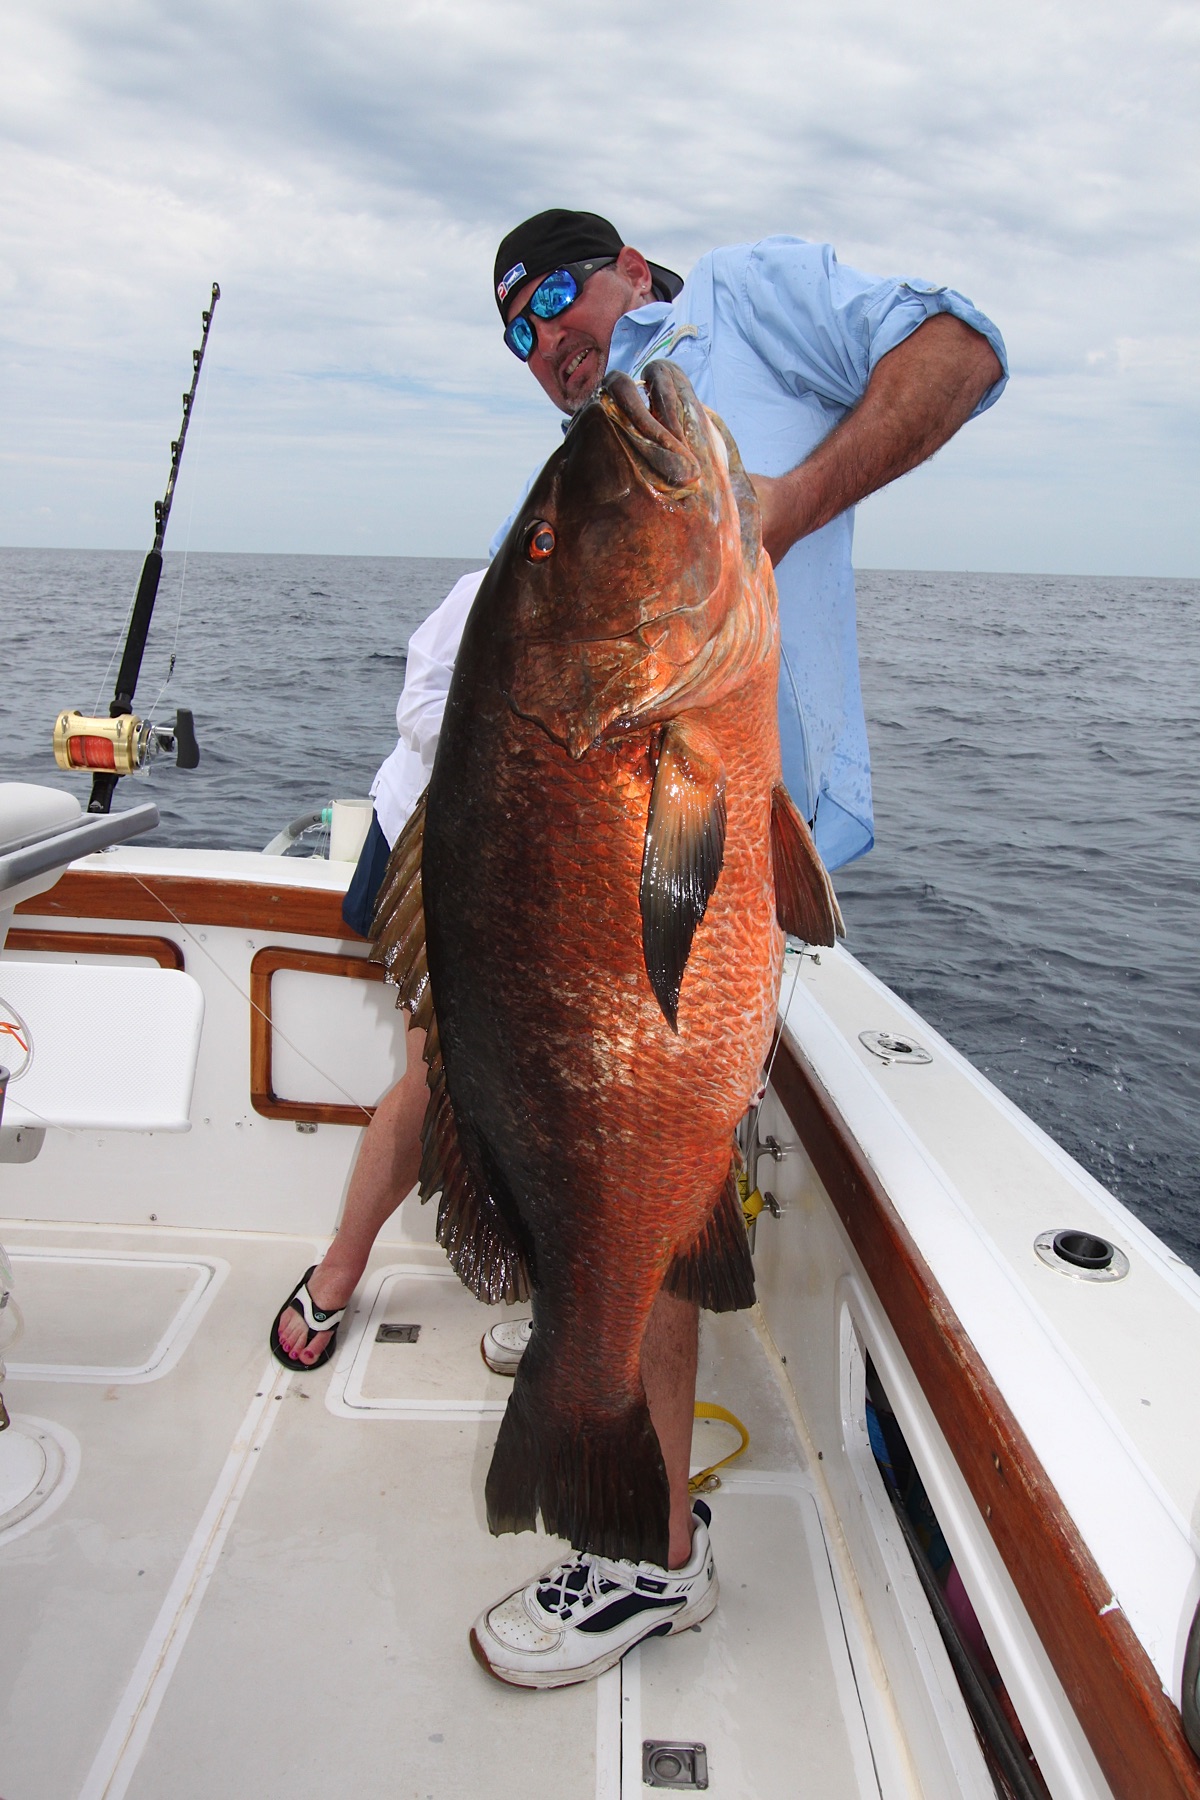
(164, 951)
(263, 1098)
(1134, 1728)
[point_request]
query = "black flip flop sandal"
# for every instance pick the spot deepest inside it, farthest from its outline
(316, 1321)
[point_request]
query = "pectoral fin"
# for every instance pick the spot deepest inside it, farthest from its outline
(805, 903)
(685, 846)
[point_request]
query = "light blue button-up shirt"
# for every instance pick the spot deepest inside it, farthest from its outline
(783, 342)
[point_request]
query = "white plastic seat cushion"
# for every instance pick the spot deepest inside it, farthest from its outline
(107, 1049)
(26, 809)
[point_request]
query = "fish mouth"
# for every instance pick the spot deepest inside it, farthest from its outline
(654, 425)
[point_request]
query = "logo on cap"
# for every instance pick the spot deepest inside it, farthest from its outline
(505, 287)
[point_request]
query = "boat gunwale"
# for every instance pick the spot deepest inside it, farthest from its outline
(114, 892)
(1134, 1728)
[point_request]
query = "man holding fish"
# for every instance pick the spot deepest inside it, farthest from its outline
(620, 677)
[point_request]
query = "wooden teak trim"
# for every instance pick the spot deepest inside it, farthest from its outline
(1133, 1728)
(164, 951)
(192, 900)
(263, 1097)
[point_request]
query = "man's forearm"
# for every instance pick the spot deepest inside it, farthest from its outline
(918, 396)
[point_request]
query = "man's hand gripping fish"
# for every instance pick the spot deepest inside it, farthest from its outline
(588, 917)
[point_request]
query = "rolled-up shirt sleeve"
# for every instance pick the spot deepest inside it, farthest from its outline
(432, 650)
(824, 327)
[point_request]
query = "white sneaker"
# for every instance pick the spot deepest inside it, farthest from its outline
(580, 1617)
(503, 1344)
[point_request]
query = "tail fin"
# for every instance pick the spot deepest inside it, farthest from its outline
(599, 1482)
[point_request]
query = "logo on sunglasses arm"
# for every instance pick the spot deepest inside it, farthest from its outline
(505, 287)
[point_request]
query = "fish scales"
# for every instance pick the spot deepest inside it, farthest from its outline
(603, 943)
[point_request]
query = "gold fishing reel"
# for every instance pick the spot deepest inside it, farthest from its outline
(112, 744)
(124, 744)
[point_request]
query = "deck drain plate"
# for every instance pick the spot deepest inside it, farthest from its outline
(680, 1767)
(890, 1047)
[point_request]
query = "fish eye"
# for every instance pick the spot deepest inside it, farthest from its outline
(539, 544)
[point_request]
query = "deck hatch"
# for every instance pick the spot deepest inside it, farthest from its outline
(108, 1317)
(397, 1334)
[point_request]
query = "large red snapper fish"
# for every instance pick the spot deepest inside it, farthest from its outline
(588, 915)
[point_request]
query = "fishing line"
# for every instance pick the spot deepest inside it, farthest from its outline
(121, 636)
(197, 458)
(253, 1004)
(787, 664)
(800, 953)
(782, 1014)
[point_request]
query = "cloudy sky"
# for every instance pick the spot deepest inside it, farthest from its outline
(344, 169)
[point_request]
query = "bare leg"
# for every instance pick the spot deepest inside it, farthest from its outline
(669, 1375)
(389, 1158)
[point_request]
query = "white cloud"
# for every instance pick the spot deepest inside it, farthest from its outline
(346, 170)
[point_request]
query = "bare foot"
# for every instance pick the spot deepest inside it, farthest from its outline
(330, 1287)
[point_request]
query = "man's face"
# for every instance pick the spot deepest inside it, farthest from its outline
(571, 353)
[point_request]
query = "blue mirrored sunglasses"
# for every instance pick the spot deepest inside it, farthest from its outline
(550, 297)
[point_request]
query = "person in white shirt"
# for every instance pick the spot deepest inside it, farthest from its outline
(403, 778)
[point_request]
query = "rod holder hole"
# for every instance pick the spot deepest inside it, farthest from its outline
(1082, 1250)
(1081, 1255)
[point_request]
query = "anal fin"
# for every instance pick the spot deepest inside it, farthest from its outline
(805, 903)
(715, 1270)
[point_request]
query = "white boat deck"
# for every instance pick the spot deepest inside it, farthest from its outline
(256, 1584)
(260, 1584)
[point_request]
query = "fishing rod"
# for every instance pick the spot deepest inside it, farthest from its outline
(119, 744)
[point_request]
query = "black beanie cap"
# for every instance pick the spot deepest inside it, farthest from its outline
(551, 239)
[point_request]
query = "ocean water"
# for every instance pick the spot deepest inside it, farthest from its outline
(1034, 886)
(1035, 883)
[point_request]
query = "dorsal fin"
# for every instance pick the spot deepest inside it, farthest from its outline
(685, 847)
(805, 903)
(470, 1228)
(398, 922)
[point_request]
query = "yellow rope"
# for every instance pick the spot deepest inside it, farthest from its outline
(708, 1479)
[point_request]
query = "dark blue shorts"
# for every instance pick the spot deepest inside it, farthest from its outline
(359, 904)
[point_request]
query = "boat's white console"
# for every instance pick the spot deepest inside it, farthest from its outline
(42, 830)
(83, 1047)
